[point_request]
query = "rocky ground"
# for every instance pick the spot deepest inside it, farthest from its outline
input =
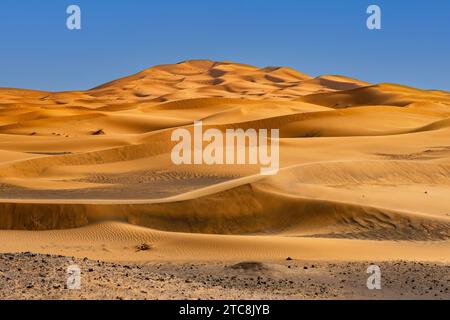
(36, 276)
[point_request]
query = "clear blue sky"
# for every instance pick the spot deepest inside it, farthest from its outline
(121, 37)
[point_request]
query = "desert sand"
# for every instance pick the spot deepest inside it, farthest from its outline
(364, 170)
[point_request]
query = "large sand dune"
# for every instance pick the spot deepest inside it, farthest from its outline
(365, 169)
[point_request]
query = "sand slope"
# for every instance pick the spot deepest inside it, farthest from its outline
(362, 166)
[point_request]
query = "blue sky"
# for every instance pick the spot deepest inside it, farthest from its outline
(121, 37)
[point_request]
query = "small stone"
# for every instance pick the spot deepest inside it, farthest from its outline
(143, 247)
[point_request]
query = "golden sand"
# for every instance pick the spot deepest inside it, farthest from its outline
(364, 169)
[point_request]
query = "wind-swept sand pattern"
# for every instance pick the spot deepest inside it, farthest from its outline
(364, 169)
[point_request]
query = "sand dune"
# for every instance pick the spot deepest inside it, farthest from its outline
(382, 94)
(365, 169)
